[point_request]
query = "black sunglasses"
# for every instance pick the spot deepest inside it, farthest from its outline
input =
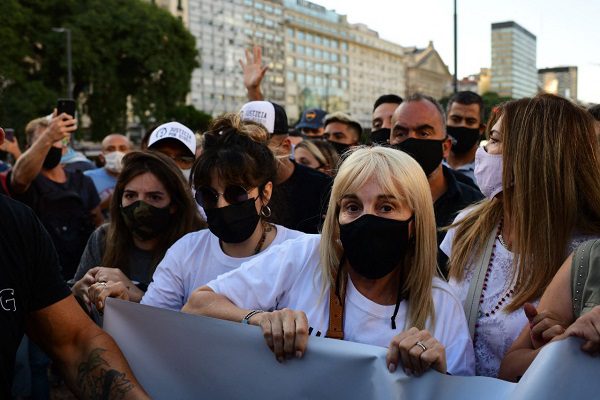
(208, 197)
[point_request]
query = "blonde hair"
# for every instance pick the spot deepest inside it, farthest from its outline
(401, 176)
(32, 126)
(314, 150)
(551, 190)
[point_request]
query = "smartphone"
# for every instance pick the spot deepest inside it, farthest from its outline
(65, 106)
(9, 134)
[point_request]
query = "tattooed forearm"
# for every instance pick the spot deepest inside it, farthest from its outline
(97, 380)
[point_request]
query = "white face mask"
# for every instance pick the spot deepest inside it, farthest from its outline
(488, 172)
(113, 161)
(186, 173)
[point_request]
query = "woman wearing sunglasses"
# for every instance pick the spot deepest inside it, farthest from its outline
(369, 278)
(151, 209)
(233, 183)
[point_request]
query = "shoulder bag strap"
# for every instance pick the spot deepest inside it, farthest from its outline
(336, 315)
(472, 301)
(580, 267)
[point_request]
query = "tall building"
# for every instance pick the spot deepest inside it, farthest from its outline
(316, 58)
(560, 80)
(514, 71)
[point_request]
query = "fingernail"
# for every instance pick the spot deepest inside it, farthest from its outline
(280, 359)
(298, 354)
(407, 371)
(392, 367)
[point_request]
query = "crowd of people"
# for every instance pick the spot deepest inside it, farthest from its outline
(456, 256)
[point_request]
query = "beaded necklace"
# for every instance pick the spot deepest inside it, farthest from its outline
(504, 298)
(267, 227)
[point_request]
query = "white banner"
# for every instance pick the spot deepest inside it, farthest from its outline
(180, 356)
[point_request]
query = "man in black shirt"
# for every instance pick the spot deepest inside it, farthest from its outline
(418, 128)
(300, 194)
(35, 300)
(66, 202)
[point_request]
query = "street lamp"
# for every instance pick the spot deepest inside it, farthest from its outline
(69, 66)
(455, 51)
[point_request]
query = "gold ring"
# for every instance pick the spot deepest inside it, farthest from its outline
(421, 345)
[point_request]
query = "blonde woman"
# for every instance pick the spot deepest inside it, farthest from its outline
(540, 174)
(369, 278)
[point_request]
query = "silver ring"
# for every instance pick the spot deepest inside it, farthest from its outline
(421, 345)
(103, 283)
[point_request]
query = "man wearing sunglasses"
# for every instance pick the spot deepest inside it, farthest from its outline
(176, 141)
(300, 194)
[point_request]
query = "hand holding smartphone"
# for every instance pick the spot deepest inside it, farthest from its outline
(65, 106)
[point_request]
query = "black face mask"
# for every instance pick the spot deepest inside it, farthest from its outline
(465, 138)
(146, 221)
(233, 223)
(428, 152)
(374, 245)
(340, 148)
(52, 158)
(380, 136)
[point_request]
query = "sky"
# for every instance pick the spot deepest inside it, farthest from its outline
(567, 31)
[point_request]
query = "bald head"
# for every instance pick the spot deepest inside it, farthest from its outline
(116, 142)
(420, 118)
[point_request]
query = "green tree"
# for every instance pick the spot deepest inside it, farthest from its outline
(197, 121)
(124, 52)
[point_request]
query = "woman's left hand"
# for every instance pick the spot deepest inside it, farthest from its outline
(99, 291)
(418, 351)
(104, 274)
(586, 327)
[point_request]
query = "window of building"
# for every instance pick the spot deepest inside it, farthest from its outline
(318, 53)
(290, 76)
(309, 51)
(299, 49)
(290, 46)
(300, 35)
(259, 6)
(300, 63)
(301, 78)
(290, 32)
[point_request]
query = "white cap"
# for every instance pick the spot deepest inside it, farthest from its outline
(261, 112)
(174, 130)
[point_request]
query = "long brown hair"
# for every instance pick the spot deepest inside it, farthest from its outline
(185, 218)
(551, 191)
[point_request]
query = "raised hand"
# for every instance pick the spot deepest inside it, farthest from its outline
(254, 72)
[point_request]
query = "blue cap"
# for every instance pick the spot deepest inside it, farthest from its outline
(312, 119)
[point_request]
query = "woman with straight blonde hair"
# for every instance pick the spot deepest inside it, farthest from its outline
(375, 260)
(540, 174)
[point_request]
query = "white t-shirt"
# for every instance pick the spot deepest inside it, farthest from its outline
(192, 261)
(289, 276)
(496, 332)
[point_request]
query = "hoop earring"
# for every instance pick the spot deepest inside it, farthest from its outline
(265, 211)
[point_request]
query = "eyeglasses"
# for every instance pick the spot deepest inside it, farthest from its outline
(208, 197)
